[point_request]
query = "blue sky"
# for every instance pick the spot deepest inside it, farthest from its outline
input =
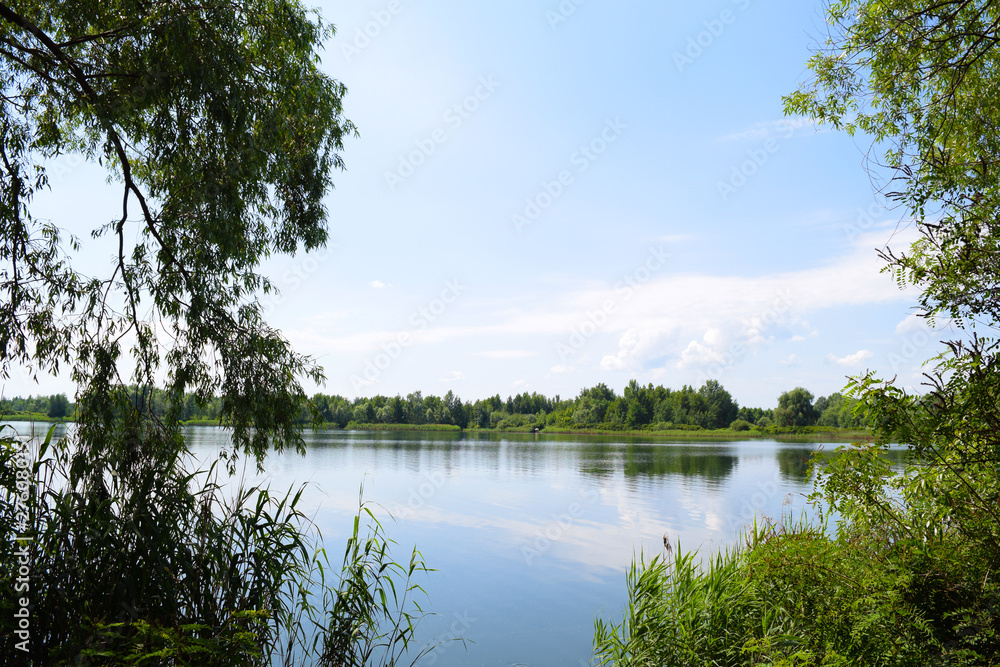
(548, 195)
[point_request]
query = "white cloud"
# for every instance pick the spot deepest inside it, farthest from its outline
(913, 323)
(785, 128)
(612, 362)
(562, 369)
(667, 321)
(791, 360)
(454, 376)
(851, 359)
(797, 339)
(697, 354)
(719, 319)
(634, 343)
(704, 352)
(507, 354)
(378, 284)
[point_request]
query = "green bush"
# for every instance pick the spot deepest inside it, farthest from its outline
(357, 426)
(796, 596)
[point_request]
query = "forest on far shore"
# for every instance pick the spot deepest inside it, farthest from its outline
(638, 407)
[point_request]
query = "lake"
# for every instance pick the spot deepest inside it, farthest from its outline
(531, 535)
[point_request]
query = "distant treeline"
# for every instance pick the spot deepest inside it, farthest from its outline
(600, 408)
(55, 407)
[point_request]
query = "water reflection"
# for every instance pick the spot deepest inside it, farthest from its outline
(794, 464)
(531, 535)
(35, 430)
(657, 460)
(598, 458)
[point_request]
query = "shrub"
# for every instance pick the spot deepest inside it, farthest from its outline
(793, 595)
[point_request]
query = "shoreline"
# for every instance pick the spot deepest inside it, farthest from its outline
(809, 433)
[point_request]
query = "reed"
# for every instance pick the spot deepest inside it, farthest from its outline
(793, 595)
(166, 567)
(681, 611)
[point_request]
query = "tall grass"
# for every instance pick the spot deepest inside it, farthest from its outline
(372, 615)
(684, 611)
(163, 567)
(793, 596)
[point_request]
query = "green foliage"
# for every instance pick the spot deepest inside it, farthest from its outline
(792, 595)
(720, 406)
(795, 408)
(597, 408)
(370, 621)
(752, 415)
(126, 569)
(639, 407)
(140, 644)
(42, 406)
(921, 78)
(222, 133)
(167, 568)
(677, 614)
(590, 410)
(58, 406)
(909, 577)
(840, 411)
(740, 425)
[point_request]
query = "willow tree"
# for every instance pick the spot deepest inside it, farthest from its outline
(921, 78)
(219, 130)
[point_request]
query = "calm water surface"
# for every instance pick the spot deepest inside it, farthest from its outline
(531, 535)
